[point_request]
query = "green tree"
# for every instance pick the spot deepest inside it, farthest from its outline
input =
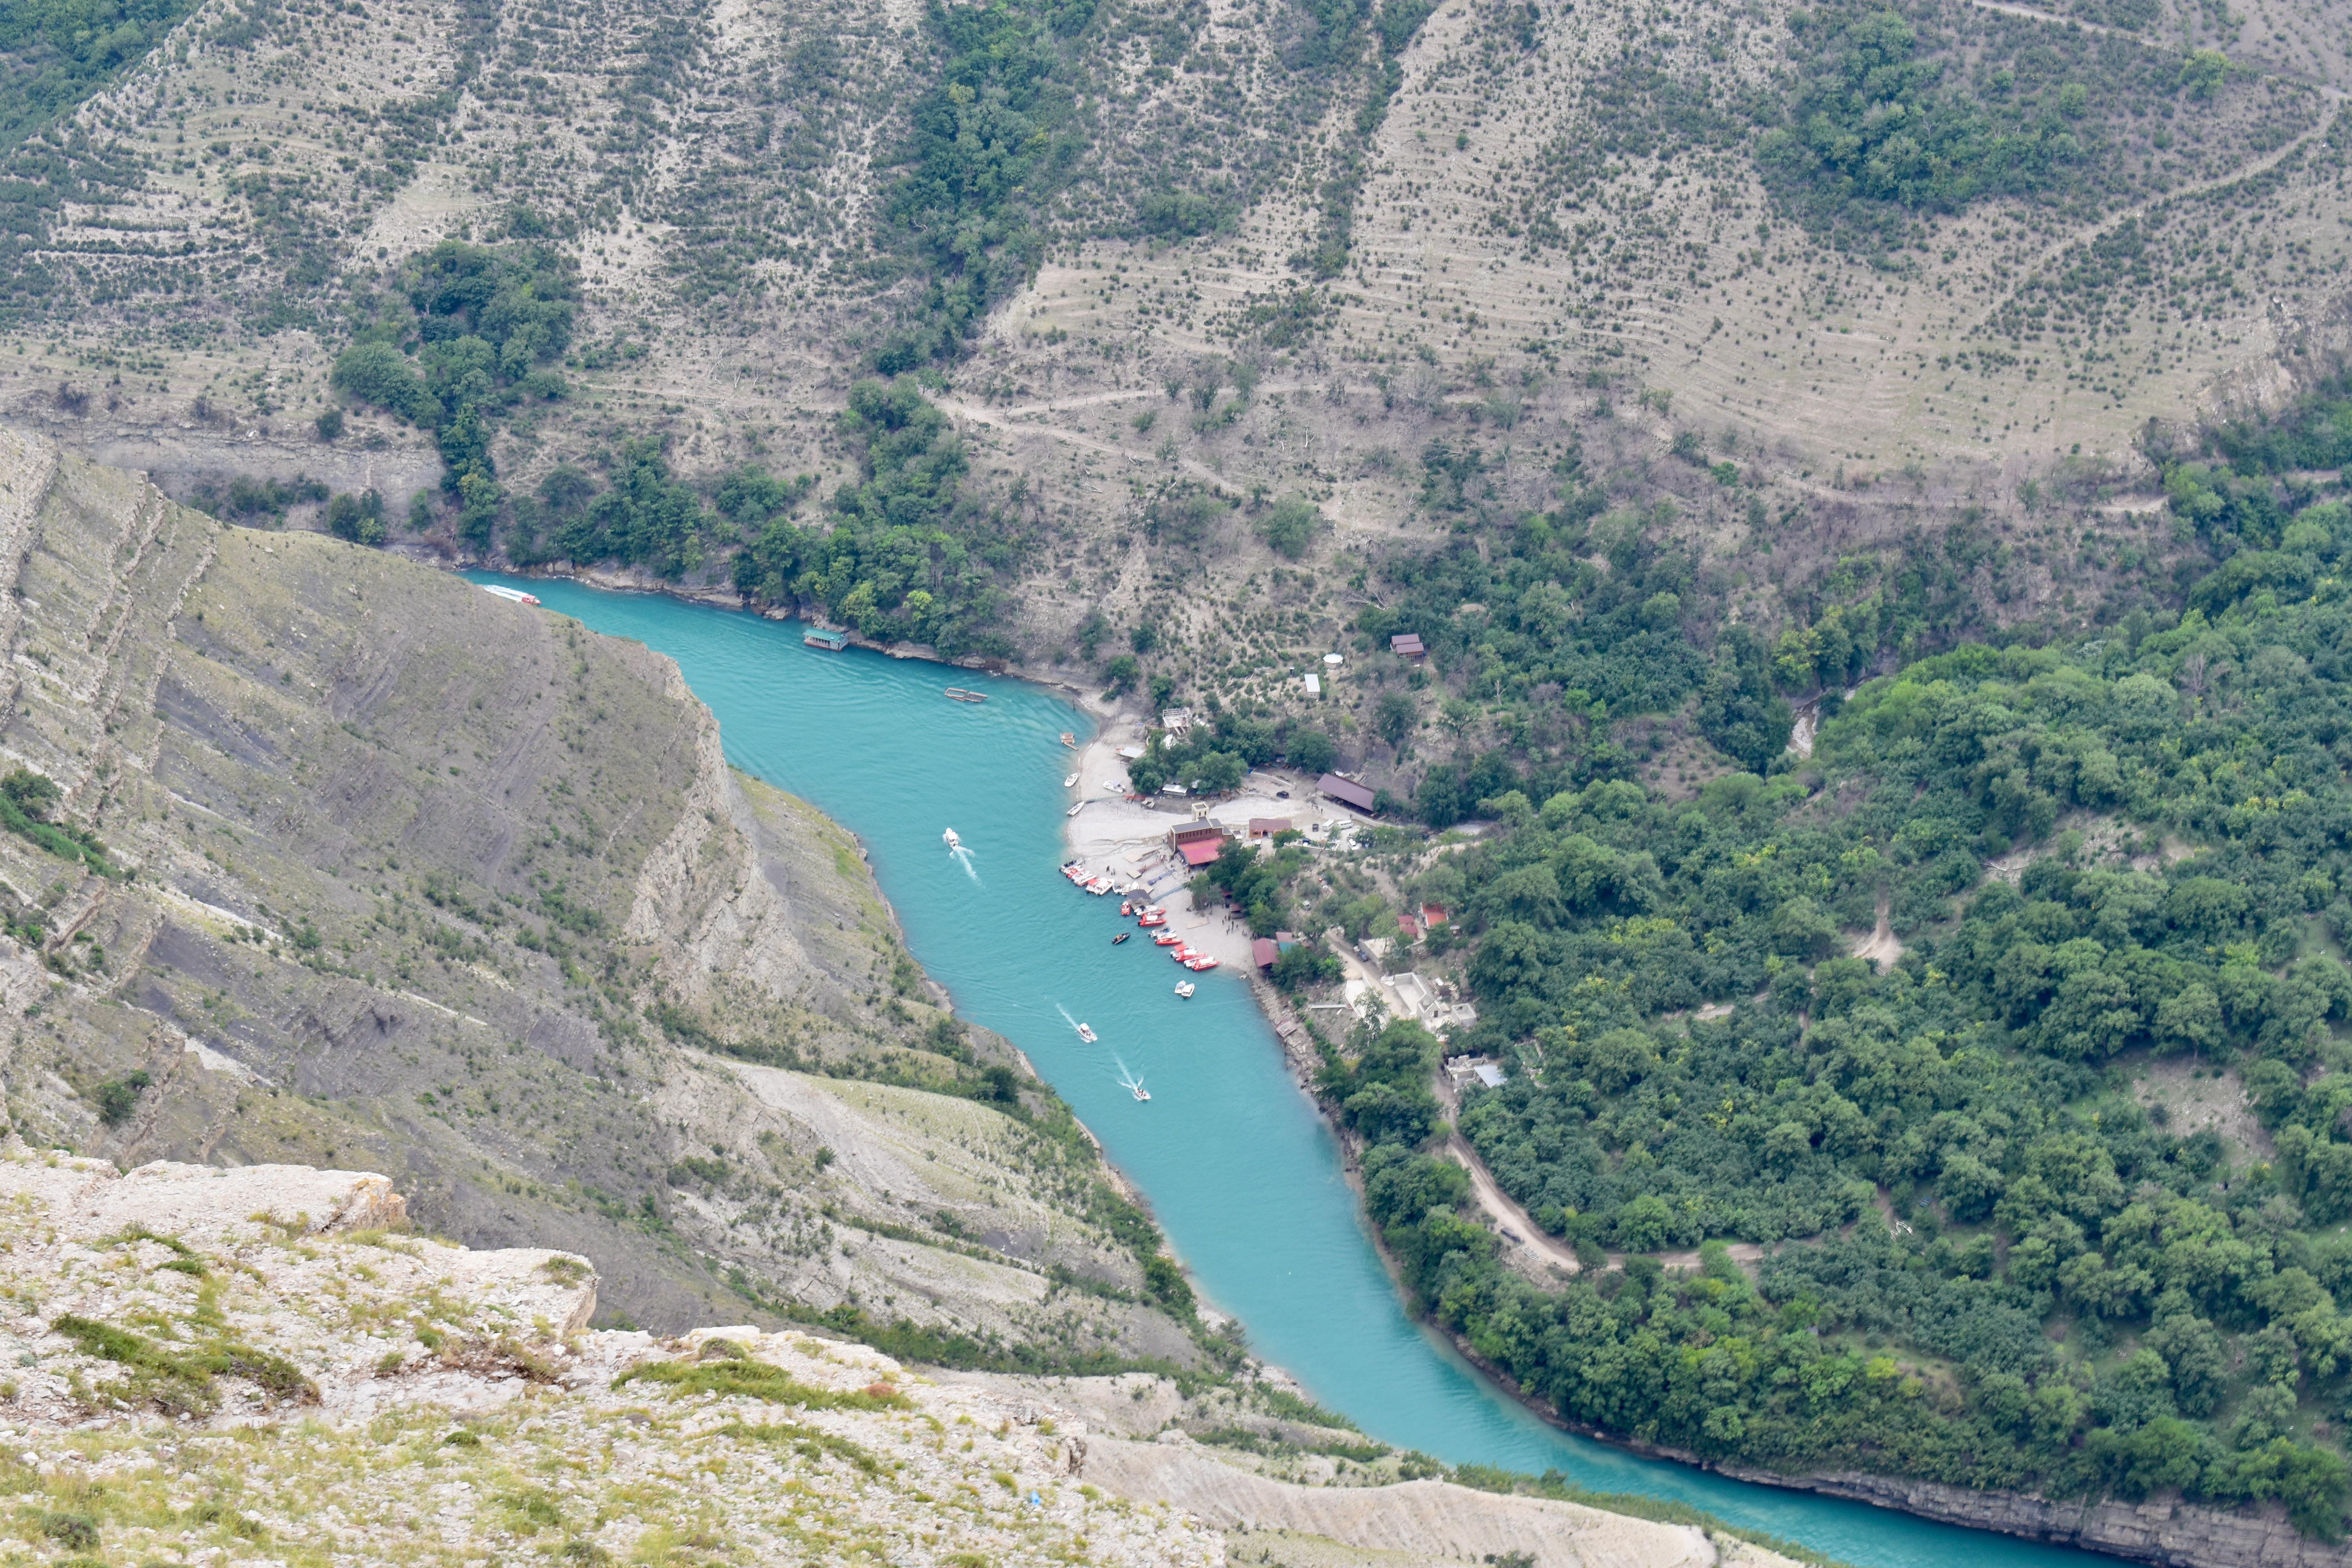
(1310, 751)
(1394, 718)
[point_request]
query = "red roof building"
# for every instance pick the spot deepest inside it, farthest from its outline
(1199, 843)
(1267, 827)
(1266, 949)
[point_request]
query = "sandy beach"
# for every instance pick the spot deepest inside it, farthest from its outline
(1128, 839)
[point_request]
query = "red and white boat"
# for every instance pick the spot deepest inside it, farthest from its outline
(1101, 886)
(1151, 920)
(1200, 963)
(1183, 953)
(1168, 939)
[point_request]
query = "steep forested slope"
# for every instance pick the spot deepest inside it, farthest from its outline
(2009, 1219)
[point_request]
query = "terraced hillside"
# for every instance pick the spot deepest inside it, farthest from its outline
(340, 859)
(1495, 223)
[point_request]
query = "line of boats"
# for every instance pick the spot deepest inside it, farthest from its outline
(1153, 918)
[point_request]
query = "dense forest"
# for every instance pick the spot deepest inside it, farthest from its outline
(1991, 1245)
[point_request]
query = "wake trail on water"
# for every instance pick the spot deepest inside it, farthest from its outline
(962, 856)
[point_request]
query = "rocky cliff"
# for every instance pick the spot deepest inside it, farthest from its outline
(393, 872)
(205, 1357)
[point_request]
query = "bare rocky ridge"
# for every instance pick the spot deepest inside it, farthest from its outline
(206, 1356)
(454, 887)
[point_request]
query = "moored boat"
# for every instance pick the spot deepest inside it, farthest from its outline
(1070, 783)
(1200, 963)
(1184, 988)
(961, 695)
(1120, 938)
(1168, 939)
(1069, 739)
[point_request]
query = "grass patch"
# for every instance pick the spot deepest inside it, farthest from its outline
(805, 1441)
(183, 1381)
(729, 1375)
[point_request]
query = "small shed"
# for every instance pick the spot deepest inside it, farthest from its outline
(1265, 950)
(1407, 644)
(1267, 827)
(1347, 792)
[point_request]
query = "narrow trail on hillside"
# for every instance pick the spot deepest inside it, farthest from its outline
(1507, 1213)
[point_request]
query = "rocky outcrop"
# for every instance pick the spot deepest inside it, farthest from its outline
(206, 1358)
(1425, 1518)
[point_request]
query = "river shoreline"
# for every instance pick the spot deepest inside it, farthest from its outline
(2164, 1530)
(1302, 1059)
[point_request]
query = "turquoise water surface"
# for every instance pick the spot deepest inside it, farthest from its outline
(1243, 1174)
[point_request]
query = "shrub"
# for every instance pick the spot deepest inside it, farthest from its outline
(1290, 525)
(359, 518)
(119, 1097)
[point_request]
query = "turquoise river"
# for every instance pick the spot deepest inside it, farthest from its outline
(1242, 1172)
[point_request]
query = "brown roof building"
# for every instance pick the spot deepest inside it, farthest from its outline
(1347, 792)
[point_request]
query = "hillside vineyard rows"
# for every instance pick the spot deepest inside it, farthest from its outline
(1868, 480)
